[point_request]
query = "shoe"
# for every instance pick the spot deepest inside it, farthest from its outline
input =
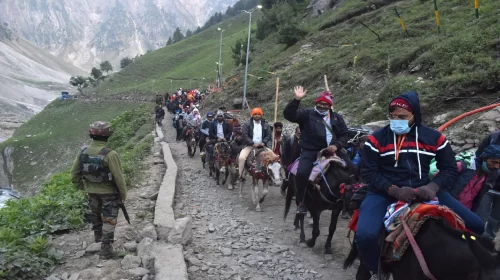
(301, 209)
(374, 276)
(344, 215)
(107, 252)
(283, 191)
(97, 236)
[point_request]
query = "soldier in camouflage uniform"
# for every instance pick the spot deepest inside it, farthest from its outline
(97, 170)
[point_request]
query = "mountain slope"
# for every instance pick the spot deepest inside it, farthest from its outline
(29, 79)
(89, 31)
(456, 69)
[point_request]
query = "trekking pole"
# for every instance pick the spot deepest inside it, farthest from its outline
(276, 111)
(378, 36)
(476, 7)
(438, 22)
(401, 21)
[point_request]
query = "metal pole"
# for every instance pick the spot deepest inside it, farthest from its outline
(220, 59)
(246, 62)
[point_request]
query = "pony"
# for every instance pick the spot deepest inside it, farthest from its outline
(222, 151)
(263, 165)
(331, 193)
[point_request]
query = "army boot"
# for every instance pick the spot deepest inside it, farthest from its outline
(106, 252)
(98, 236)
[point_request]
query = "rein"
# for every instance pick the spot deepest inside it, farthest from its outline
(324, 179)
(416, 250)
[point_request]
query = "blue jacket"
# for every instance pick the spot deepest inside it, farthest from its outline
(378, 164)
(313, 131)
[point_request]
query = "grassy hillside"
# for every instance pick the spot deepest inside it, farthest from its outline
(458, 68)
(49, 141)
(193, 58)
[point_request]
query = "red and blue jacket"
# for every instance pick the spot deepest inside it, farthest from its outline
(380, 169)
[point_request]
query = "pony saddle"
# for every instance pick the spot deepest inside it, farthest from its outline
(320, 167)
(414, 216)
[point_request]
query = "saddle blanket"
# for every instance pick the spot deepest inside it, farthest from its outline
(415, 216)
(319, 167)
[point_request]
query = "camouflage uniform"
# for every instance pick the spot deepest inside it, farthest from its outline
(97, 170)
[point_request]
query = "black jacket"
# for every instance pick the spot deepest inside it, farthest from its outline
(236, 147)
(225, 127)
(313, 130)
(247, 131)
(378, 164)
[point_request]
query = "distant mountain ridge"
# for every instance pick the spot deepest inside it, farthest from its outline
(87, 32)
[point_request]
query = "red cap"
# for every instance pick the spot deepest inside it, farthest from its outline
(325, 96)
(401, 103)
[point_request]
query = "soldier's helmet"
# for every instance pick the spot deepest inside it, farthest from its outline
(100, 129)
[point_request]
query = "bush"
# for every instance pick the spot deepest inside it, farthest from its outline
(290, 33)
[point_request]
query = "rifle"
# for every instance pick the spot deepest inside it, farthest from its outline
(122, 205)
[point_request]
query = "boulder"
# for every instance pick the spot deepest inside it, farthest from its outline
(94, 247)
(130, 246)
(182, 231)
(148, 262)
(149, 231)
(130, 262)
(138, 272)
(145, 247)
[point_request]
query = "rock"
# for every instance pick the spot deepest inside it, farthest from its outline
(194, 261)
(90, 274)
(145, 247)
(130, 262)
(470, 141)
(94, 247)
(64, 276)
(226, 251)
(192, 269)
(211, 228)
(74, 276)
(182, 231)
(458, 142)
(138, 271)
(148, 262)
(130, 246)
(84, 244)
(468, 146)
(149, 231)
(416, 69)
(440, 119)
(80, 254)
(52, 277)
(145, 277)
(144, 195)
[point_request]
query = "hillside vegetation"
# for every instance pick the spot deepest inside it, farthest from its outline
(26, 224)
(458, 67)
(49, 141)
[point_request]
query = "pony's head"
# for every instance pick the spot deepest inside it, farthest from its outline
(273, 166)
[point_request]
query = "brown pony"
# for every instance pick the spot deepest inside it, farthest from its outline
(222, 152)
(263, 165)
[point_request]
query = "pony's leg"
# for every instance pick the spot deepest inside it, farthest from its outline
(257, 195)
(315, 232)
(302, 234)
(296, 222)
(331, 230)
(241, 184)
(265, 189)
(226, 174)
(254, 188)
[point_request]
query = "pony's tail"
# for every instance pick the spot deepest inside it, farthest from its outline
(290, 192)
(353, 255)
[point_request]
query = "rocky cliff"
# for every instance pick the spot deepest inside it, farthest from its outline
(89, 31)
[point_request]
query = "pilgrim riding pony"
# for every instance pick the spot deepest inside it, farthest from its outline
(330, 188)
(262, 165)
(430, 242)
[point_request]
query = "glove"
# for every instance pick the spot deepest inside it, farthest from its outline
(427, 192)
(405, 194)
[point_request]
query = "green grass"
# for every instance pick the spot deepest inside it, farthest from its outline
(193, 58)
(461, 60)
(49, 141)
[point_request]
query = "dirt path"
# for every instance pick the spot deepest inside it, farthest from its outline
(232, 241)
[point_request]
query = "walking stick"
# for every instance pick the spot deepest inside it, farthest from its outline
(276, 111)
(326, 83)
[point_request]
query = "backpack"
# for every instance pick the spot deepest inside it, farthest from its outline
(92, 167)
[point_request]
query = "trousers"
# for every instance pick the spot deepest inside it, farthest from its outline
(489, 212)
(370, 223)
(104, 208)
(306, 161)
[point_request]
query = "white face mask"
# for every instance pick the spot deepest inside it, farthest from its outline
(321, 112)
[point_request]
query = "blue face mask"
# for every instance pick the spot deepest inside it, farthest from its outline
(485, 168)
(399, 127)
(323, 113)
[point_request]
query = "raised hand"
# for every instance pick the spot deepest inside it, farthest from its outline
(299, 92)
